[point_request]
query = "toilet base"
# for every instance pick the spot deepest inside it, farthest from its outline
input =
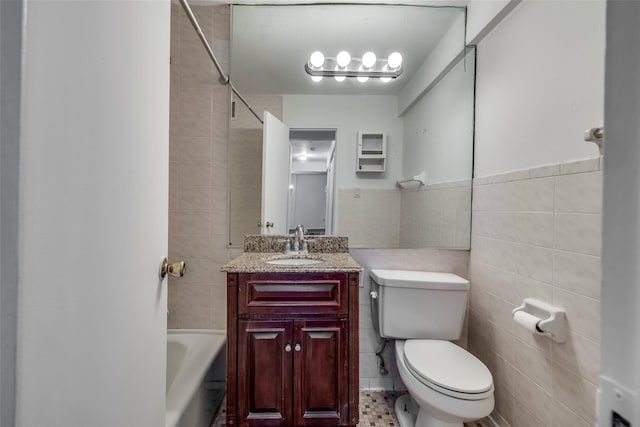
(406, 411)
(409, 414)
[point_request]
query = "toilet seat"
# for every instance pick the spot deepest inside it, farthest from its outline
(448, 369)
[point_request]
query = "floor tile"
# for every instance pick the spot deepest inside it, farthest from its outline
(376, 410)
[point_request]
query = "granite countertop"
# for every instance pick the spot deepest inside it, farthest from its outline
(254, 262)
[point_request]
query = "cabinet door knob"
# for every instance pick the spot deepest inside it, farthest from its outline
(287, 348)
(297, 347)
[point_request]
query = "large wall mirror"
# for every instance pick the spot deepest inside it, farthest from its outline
(418, 125)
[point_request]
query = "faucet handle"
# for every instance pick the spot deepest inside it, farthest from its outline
(287, 245)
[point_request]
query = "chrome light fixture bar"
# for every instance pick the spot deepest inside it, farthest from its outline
(343, 65)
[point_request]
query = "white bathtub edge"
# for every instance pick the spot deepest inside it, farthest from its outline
(196, 364)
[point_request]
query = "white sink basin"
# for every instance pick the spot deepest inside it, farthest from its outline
(294, 261)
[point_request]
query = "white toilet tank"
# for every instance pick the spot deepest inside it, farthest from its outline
(418, 304)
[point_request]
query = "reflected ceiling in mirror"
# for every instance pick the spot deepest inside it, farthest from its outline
(426, 115)
(271, 44)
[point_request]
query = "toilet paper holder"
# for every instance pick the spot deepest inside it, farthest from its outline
(550, 321)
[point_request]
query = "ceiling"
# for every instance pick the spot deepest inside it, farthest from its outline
(271, 44)
(315, 144)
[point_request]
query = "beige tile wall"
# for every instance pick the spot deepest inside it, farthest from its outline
(370, 218)
(245, 165)
(198, 223)
(440, 260)
(537, 233)
(437, 216)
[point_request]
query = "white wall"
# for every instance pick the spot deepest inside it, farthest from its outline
(438, 129)
(484, 15)
(350, 114)
(309, 201)
(620, 349)
(310, 165)
(448, 51)
(93, 204)
(533, 102)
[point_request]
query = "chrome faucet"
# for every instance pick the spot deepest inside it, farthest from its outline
(298, 241)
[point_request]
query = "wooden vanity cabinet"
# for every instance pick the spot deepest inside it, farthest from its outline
(292, 350)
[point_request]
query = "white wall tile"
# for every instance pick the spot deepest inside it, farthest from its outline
(579, 193)
(581, 233)
(583, 313)
(531, 195)
(533, 363)
(579, 355)
(523, 227)
(580, 166)
(575, 392)
(577, 273)
(533, 397)
(564, 417)
(538, 238)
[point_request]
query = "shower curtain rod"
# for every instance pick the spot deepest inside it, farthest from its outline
(224, 79)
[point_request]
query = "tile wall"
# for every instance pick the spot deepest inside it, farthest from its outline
(245, 165)
(440, 260)
(371, 218)
(198, 174)
(436, 216)
(537, 233)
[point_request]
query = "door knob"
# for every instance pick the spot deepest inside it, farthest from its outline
(176, 269)
(287, 348)
(297, 347)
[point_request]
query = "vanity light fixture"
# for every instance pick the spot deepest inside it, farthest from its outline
(343, 66)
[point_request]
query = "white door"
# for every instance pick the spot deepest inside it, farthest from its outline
(275, 175)
(330, 187)
(94, 146)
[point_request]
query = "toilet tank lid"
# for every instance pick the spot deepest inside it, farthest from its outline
(419, 280)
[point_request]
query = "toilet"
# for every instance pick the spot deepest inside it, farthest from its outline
(422, 311)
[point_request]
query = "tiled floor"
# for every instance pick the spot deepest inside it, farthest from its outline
(376, 409)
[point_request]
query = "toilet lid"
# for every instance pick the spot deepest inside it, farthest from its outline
(447, 366)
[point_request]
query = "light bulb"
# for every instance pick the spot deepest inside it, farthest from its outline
(316, 78)
(369, 59)
(343, 58)
(317, 59)
(339, 78)
(394, 61)
(362, 79)
(385, 79)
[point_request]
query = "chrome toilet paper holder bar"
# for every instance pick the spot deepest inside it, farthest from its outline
(552, 321)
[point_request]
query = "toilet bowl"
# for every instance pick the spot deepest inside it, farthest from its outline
(423, 311)
(447, 384)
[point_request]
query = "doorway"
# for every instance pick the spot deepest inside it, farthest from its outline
(311, 181)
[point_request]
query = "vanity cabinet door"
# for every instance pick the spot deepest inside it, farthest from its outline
(264, 373)
(320, 372)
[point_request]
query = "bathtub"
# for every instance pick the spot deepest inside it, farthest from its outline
(195, 376)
